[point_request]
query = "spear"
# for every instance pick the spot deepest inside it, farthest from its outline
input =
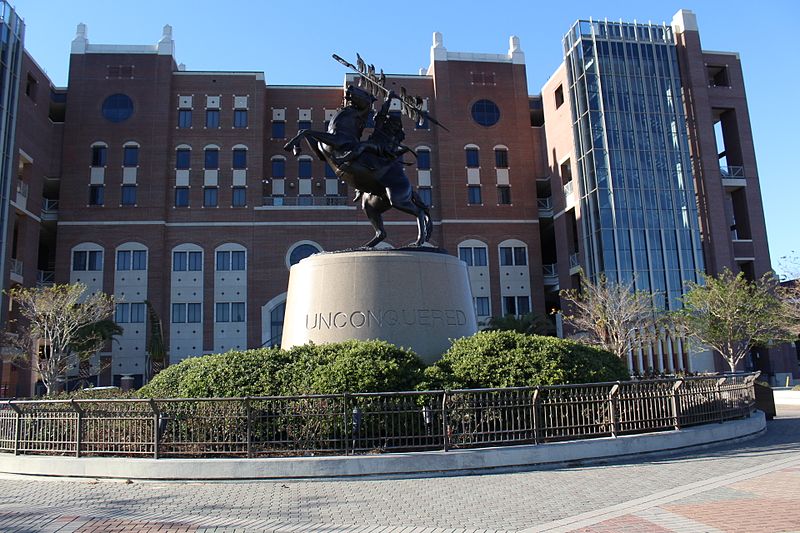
(411, 106)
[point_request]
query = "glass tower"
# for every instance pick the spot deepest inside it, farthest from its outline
(638, 212)
(12, 30)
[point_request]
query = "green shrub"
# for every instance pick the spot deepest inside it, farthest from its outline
(511, 359)
(350, 366)
(93, 393)
(226, 375)
(796, 387)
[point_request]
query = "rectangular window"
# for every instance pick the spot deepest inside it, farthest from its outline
(278, 168)
(474, 194)
(99, 156)
(509, 305)
(278, 129)
(523, 305)
(185, 118)
(178, 261)
(559, 96)
(223, 312)
(506, 256)
(501, 158)
(504, 195)
(465, 254)
(194, 313)
(304, 168)
(303, 125)
(95, 261)
(424, 160)
(139, 260)
(181, 196)
(482, 306)
(121, 313)
(329, 172)
(212, 118)
(128, 195)
(210, 196)
(130, 156)
(78, 261)
(520, 256)
(480, 257)
(239, 197)
(473, 159)
(211, 159)
(240, 118)
(137, 313)
(223, 260)
(237, 312)
(178, 313)
(183, 158)
(237, 260)
(425, 195)
(196, 261)
(240, 158)
(566, 172)
(96, 194)
(123, 260)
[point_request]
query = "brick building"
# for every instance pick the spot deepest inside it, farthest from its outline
(171, 186)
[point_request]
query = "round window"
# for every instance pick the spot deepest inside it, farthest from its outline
(117, 107)
(301, 252)
(485, 112)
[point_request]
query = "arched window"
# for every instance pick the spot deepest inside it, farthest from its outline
(231, 256)
(87, 256)
(187, 257)
(472, 153)
(423, 158)
(131, 256)
(300, 250)
(239, 157)
(500, 156)
(211, 157)
(278, 166)
(99, 154)
(475, 254)
(130, 154)
(183, 157)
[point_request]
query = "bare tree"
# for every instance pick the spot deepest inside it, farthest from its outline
(611, 315)
(732, 315)
(62, 318)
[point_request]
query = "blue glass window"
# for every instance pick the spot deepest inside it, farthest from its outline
(139, 260)
(474, 194)
(128, 195)
(237, 260)
(223, 312)
(301, 252)
(182, 158)
(425, 195)
(123, 260)
(212, 118)
(485, 112)
(211, 159)
(194, 313)
(303, 125)
(117, 107)
(99, 156)
(121, 313)
(240, 158)
(501, 158)
(196, 261)
(304, 168)
(96, 194)
(329, 172)
(482, 306)
(504, 195)
(210, 196)
(185, 118)
(178, 313)
(240, 118)
(130, 156)
(424, 159)
(178, 261)
(279, 168)
(237, 312)
(239, 197)
(95, 261)
(181, 196)
(137, 313)
(473, 159)
(278, 130)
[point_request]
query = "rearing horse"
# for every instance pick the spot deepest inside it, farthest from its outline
(373, 167)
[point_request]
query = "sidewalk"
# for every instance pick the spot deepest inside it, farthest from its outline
(750, 486)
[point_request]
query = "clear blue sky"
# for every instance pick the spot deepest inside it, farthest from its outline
(292, 41)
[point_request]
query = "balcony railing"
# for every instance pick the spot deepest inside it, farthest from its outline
(732, 172)
(545, 206)
(304, 201)
(550, 270)
(568, 189)
(45, 278)
(49, 205)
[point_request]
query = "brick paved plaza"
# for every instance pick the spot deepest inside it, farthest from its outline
(752, 486)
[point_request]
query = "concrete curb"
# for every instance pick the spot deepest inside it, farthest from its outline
(381, 464)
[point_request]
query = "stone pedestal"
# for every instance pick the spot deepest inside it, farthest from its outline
(412, 298)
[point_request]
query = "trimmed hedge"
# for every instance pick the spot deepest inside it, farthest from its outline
(351, 366)
(491, 359)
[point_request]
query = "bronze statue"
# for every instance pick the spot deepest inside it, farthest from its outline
(373, 167)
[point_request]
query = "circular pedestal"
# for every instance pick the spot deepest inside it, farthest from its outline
(415, 299)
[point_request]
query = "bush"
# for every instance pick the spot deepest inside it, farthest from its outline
(350, 366)
(511, 359)
(226, 375)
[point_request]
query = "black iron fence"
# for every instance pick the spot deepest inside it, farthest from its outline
(370, 422)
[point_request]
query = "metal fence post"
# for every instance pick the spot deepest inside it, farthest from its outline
(536, 416)
(248, 414)
(720, 381)
(17, 426)
(676, 414)
(348, 426)
(156, 436)
(445, 436)
(614, 409)
(78, 426)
